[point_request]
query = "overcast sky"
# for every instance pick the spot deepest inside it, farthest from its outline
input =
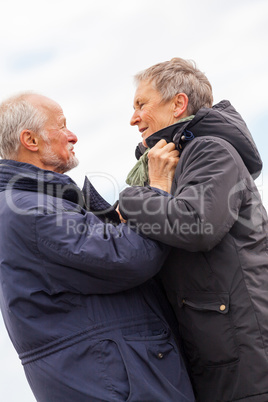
(84, 53)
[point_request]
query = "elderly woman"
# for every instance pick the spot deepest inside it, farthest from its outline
(216, 275)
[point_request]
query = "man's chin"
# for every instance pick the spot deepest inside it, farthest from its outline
(72, 163)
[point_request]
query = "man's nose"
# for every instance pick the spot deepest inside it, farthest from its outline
(72, 137)
(135, 119)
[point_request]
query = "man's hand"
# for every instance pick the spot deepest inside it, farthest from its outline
(120, 216)
(163, 159)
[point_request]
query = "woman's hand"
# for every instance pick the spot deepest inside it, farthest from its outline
(163, 159)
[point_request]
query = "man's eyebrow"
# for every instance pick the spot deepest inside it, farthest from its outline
(136, 102)
(62, 120)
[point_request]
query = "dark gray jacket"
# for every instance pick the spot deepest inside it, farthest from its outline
(216, 276)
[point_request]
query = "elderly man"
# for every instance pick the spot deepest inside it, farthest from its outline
(71, 292)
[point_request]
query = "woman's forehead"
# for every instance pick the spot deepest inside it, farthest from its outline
(145, 89)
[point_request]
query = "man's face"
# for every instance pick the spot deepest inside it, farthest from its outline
(56, 148)
(151, 114)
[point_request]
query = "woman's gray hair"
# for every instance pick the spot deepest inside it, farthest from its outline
(18, 114)
(178, 75)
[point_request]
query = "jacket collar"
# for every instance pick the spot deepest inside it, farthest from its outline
(26, 177)
(172, 133)
(222, 121)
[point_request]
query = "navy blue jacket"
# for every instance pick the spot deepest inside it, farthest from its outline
(72, 298)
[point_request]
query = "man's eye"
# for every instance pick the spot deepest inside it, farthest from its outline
(141, 105)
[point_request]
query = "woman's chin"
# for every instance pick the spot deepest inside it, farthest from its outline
(144, 143)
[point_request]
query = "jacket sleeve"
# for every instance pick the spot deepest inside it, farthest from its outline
(84, 255)
(206, 199)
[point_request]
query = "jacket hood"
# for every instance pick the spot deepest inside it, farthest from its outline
(222, 121)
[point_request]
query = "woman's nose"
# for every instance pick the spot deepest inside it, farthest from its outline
(135, 119)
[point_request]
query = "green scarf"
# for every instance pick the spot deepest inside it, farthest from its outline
(139, 174)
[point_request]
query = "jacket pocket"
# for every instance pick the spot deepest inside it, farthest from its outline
(156, 369)
(206, 328)
(89, 370)
(113, 370)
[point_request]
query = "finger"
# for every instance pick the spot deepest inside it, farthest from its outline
(120, 216)
(160, 144)
(169, 147)
(167, 153)
(174, 154)
(162, 148)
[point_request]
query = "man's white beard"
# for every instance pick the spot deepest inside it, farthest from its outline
(50, 158)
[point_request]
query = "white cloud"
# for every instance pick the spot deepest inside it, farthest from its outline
(83, 54)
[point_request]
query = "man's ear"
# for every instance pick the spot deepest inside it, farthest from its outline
(180, 105)
(29, 140)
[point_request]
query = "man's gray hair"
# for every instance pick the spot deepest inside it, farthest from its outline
(178, 75)
(18, 114)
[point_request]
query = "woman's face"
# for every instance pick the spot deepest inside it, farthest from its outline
(150, 113)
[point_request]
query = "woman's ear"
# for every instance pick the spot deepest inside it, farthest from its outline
(180, 105)
(29, 140)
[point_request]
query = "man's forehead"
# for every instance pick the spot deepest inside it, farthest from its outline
(43, 102)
